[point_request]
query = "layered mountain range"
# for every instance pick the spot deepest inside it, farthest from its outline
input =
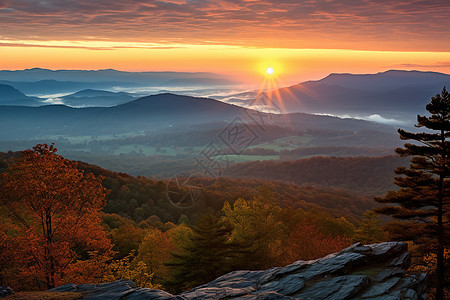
(392, 97)
(153, 113)
(388, 96)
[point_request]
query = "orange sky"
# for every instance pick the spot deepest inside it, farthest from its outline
(301, 40)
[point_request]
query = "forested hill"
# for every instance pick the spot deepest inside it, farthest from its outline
(366, 175)
(140, 198)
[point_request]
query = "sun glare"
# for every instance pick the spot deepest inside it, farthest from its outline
(268, 98)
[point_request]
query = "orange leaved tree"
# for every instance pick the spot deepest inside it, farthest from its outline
(56, 209)
(306, 243)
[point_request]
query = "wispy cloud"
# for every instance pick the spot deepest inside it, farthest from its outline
(401, 24)
(440, 64)
(94, 45)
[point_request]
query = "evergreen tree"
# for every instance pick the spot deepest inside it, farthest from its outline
(422, 202)
(370, 229)
(208, 254)
(257, 225)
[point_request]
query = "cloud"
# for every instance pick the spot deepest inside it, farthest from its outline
(440, 64)
(373, 118)
(380, 119)
(53, 101)
(90, 45)
(417, 24)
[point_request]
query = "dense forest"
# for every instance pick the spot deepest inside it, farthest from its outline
(154, 231)
(365, 175)
(151, 237)
(139, 198)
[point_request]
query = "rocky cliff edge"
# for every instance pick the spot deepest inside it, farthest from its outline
(375, 271)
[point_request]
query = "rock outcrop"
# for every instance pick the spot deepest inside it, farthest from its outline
(375, 271)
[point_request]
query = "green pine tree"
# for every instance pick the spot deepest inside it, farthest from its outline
(369, 229)
(422, 202)
(208, 255)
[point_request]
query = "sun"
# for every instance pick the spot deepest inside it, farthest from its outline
(269, 71)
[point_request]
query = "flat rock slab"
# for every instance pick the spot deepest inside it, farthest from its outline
(148, 294)
(386, 273)
(338, 288)
(381, 288)
(288, 285)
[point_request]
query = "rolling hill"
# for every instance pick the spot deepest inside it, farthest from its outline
(12, 96)
(96, 98)
(52, 86)
(365, 175)
(150, 113)
(153, 113)
(45, 81)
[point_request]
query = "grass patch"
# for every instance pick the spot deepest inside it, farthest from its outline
(369, 272)
(286, 143)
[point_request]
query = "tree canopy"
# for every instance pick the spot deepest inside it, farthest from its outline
(422, 202)
(54, 212)
(208, 254)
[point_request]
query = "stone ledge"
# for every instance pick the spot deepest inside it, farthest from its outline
(375, 271)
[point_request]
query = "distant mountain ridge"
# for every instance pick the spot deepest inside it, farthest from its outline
(95, 93)
(97, 98)
(145, 114)
(393, 94)
(52, 86)
(8, 93)
(388, 79)
(149, 114)
(38, 81)
(37, 74)
(397, 95)
(12, 96)
(393, 97)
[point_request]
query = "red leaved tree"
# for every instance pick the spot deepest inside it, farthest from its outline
(56, 209)
(306, 243)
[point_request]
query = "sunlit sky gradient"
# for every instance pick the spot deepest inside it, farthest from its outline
(301, 40)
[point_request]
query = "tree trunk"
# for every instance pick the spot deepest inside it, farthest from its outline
(440, 230)
(49, 247)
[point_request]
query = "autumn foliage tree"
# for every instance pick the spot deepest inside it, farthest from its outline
(422, 202)
(155, 250)
(55, 208)
(306, 243)
(257, 224)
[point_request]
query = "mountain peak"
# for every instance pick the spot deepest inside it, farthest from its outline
(411, 73)
(91, 93)
(36, 69)
(384, 73)
(386, 79)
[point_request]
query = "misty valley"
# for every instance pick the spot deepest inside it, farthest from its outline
(163, 134)
(173, 179)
